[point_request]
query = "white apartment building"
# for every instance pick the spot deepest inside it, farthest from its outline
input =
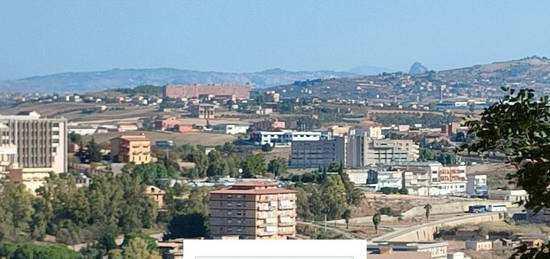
(41, 142)
(285, 138)
(450, 180)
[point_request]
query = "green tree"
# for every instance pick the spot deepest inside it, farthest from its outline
(187, 226)
(428, 209)
(15, 210)
(302, 203)
(253, 165)
(75, 138)
(267, 148)
(333, 193)
(277, 166)
(29, 250)
(354, 195)
(217, 165)
(94, 151)
(151, 242)
(518, 126)
(376, 219)
(198, 157)
(347, 216)
(138, 248)
(427, 154)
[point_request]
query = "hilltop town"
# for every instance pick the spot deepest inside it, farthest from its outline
(311, 160)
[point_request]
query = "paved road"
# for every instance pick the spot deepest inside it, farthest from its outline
(407, 230)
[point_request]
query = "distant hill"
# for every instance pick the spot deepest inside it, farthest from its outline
(479, 81)
(417, 68)
(81, 82)
(370, 70)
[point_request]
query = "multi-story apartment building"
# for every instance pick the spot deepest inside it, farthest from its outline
(41, 143)
(131, 149)
(315, 154)
(450, 180)
(253, 210)
(364, 151)
(203, 111)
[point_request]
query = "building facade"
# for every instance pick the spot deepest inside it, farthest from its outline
(231, 129)
(8, 150)
(284, 138)
(365, 151)
(203, 111)
(253, 210)
(131, 149)
(41, 143)
(315, 154)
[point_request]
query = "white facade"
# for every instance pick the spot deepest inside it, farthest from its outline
(358, 176)
(231, 129)
(449, 188)
(380, 179)
(41, 142)
(82, 130)
(285, 138)
(8, 150)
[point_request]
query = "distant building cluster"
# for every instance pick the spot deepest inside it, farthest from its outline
(198, 91)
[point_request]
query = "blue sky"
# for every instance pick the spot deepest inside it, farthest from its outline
(42, 37)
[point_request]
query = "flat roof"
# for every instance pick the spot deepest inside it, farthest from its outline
(254, 184)
(133, 137)
(254, 191)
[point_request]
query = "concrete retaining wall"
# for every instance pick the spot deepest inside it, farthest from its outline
(425, 232)
(449, 208)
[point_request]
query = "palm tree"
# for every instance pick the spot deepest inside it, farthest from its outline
(347, 216)
(376, 220)
(428, 209)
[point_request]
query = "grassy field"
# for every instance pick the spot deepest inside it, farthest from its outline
(496, 173)
(193, 138)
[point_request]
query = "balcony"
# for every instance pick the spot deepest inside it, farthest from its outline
(286, 205)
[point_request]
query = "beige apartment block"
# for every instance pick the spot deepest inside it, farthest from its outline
(253, 210)
(131, 149)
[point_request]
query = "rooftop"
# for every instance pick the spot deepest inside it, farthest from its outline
(254, 191)
(134, 137)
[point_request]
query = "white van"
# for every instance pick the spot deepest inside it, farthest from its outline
(497, 208)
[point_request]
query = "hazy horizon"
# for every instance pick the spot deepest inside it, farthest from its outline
(247, 36)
